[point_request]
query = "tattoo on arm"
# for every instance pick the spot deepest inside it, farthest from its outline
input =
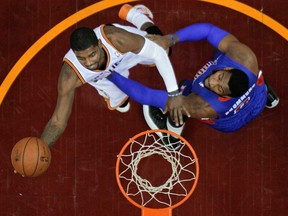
(51, 134)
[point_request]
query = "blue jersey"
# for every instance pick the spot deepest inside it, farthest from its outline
(233, 113)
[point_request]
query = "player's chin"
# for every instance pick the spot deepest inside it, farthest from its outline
(92, 67)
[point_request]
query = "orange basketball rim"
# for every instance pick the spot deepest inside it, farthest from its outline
(139, 185)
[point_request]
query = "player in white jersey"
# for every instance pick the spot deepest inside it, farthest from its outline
(116, 60)
(96, 53)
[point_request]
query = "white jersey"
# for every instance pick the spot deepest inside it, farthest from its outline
(116, 61)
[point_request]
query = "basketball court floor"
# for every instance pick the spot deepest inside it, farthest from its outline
(241, 174)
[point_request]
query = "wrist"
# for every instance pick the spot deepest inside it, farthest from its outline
(173, 39)
(174, 93)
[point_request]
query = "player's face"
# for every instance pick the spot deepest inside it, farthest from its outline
(92, 58)
(218, 82)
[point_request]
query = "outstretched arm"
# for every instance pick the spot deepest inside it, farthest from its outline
(139, 92)
(145, 95)
(67, 83)
(217, 37)
(200, 31)
(220, 39)
(194, 32)
(198, 108)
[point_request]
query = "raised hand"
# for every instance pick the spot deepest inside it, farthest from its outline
(175, 107)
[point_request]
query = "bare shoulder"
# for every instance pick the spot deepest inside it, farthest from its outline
(123, 40)
(68, 72)
(198, 107)
(68, 79)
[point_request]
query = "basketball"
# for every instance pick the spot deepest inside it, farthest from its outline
(30, 157)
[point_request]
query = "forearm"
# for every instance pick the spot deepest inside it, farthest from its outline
(198, 32)
(139, 92)
(51, 133)
(152, 51)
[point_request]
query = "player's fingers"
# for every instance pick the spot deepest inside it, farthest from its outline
(186, 112)
(165, 110)
(175, 117)
(180, 117)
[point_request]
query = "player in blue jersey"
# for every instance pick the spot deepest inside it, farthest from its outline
(227, 92)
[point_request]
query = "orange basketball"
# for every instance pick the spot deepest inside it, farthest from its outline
(30, 157)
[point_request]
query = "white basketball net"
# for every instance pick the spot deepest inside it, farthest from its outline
(135, 185)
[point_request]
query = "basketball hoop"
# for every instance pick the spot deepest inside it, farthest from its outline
(142, 164)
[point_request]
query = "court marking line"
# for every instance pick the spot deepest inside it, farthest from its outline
(105, 4)
(49, 36)
(253, 13)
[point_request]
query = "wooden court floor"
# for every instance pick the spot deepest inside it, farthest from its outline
(241, 174)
